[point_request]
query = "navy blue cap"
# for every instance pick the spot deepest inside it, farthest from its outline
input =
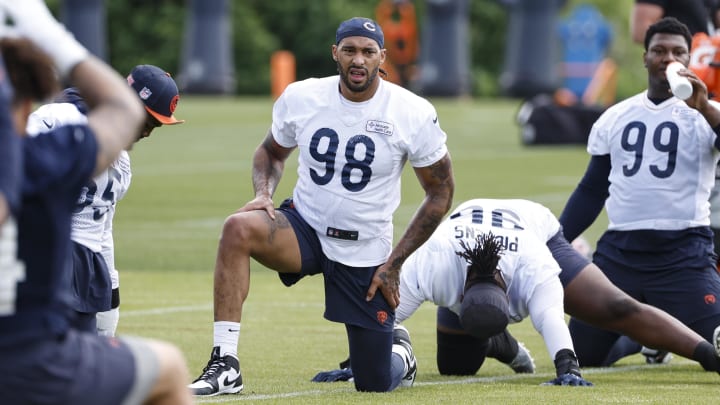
(360, 27)
(157, 90)
(484, 310)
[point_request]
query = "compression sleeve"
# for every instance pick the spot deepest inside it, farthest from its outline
(586, 202)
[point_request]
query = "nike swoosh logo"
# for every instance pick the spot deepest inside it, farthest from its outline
(233, 330)
(47, 124)
(228, 382)
(435, 120)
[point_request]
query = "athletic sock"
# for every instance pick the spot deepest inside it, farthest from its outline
(705, 355)
(503, 347)
(226, 336)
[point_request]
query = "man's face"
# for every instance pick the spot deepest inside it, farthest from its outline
(150, 124)
(662, 50)
(358, 62)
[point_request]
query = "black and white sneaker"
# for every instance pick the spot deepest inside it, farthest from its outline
(523, 361)
(716, 340)
(403, 347)
(653, 356)
(220, 376)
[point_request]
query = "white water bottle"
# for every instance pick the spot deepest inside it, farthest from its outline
(679, 85)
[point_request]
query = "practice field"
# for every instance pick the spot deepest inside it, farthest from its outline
(189, 177)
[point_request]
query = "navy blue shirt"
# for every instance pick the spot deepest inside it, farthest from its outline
(56, 166)
(10, 150)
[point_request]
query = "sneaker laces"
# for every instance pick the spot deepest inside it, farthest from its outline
(211, 368)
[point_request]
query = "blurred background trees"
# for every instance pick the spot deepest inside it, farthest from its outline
(141, 31)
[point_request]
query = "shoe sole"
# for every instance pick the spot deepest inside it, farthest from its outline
(233, 390)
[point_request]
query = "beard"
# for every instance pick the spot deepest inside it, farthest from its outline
(357, 88)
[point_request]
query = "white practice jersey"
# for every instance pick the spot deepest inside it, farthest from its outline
(437, 274)
(663, 163)
(92, 218)
(351, 157)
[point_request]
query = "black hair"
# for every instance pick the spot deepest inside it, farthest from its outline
(482, 259)
(668, 25)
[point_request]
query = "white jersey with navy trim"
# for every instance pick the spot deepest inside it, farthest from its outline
(435, 273)
(92, 219)
(351, 157)
(663, 163)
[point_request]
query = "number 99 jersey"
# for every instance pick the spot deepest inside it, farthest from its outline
(663, 160)
(351, 157)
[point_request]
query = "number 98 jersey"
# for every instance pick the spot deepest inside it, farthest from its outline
(663, 162)
(351, 157)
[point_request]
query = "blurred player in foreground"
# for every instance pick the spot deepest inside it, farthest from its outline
(44, 360)
(96, 283)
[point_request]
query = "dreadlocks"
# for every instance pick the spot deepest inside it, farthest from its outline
(482, 259)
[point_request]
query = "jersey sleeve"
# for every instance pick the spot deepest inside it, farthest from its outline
(52, 116)
(67, 154)
(430, 144)
(283, 129)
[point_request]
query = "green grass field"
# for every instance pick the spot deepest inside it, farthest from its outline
(188, 178)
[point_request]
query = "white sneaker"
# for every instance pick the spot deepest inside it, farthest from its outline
(403, 347)
(653, 356)
(523, 362)
(220, 376)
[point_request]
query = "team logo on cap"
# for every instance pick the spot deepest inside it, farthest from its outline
(369, 26)
(145, 93)
(173, 103)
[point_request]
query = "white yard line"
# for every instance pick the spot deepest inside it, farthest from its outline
(471, 380)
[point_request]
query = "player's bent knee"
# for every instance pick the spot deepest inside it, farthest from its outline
(622, 306)
(459, 354)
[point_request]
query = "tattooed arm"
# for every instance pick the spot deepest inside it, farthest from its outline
(268, 166)
(438, 183)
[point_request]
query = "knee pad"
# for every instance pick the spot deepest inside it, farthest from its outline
(460, 354)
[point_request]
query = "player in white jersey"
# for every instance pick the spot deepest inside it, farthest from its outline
(653, 165)
(96, 283)
(539, 270)
(354, 132)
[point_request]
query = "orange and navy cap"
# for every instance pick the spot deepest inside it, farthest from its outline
(157, 90)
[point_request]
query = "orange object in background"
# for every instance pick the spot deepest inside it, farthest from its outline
(282, 71)
(399, 24)
(705, 62)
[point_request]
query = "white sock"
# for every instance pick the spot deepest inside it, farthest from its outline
(107, 322)
(226, 336)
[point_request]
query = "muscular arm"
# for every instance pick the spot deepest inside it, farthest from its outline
(548, 316)
(586, 202)
(268, 166)
(438, 182)
(641, 17)
(116, 113)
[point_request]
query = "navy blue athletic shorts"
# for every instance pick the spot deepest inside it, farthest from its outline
(672, 270)
(91, 286)
(345, 286)
(79, 369)
(570, 260)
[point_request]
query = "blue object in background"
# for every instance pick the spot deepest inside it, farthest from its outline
(531, 51)
(207, 65)
(86, 19)
(445, 49)
(585, 36)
